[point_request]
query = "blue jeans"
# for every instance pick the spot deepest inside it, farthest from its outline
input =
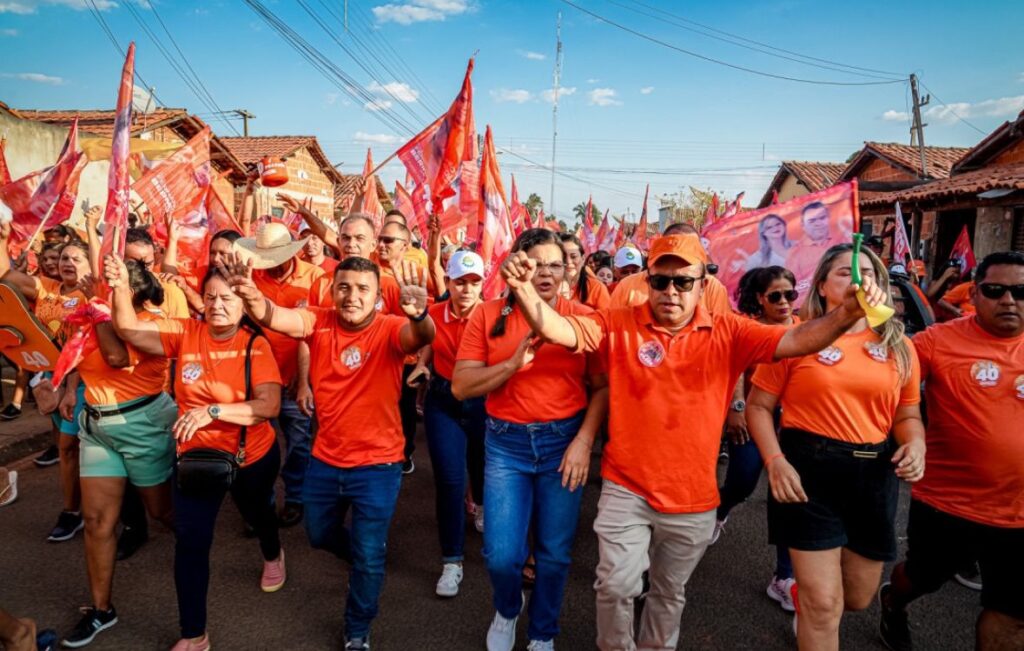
(455, 438)
(371, 491)
(294, 426)
(522, 488)
(741, 479)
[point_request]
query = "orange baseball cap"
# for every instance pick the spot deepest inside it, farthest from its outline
(685, 246)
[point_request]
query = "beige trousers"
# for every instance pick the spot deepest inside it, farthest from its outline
(633, 537)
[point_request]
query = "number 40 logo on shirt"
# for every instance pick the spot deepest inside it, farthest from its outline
(985, 373)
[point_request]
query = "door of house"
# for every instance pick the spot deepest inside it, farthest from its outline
(1017, 243)
(948, 225)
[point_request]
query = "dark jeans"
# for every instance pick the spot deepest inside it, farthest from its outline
(455, 437)
(371, 492)
(294, 427)
(133, 511)
(194, 522)
(407, 410)
(741, 479)
(523, 487)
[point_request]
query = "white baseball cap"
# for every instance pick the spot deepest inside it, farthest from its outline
(628, 256)
(464, 263)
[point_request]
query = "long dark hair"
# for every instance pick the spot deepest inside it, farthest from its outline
(581, 289)
(246, 323)
(754, 283)
(528, 239)
(145, 286)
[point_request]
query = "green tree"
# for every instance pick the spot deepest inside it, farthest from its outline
(580, 209)
(534, 204)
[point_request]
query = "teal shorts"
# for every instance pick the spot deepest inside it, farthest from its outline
(70, 427)
(136, 445)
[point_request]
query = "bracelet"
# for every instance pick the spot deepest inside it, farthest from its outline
(775, 456)
(421, 317)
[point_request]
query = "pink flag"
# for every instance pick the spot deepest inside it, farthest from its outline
(469, 197)
(900, 241)
(640, 234)
(173, 183)
(115, 219)
(589, 236)
(81, 344)
(370, 204)
(520, 218)
(404, 203)
(495, 222)
(419, 206)
(541, 222)
(605, 234)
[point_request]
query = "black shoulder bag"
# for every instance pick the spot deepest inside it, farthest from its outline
(206, 471)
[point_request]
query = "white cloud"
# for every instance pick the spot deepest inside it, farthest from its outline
(516, 95)
(549, 94)
(895, 116)
(417, 11)
(603, 97)
(35, 77)
(395, 90)
(8, 32)
(378, 105)
(25, 7)
(949, 113)
(593, 80)
(533, 56)
(376, 138)
(647, 90)
(1020, 78)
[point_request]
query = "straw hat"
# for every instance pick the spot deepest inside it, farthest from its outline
(272, 246)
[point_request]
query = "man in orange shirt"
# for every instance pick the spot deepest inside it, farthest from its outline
(970, 504)
(959, 300)
(292, 283)
(356, 372)
(313, 251)
(672, 367)
(803, 258)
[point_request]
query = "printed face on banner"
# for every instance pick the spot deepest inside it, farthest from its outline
(794, 235)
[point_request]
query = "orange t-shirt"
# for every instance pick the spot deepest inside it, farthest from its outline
(974, 384)
(551, 387)
(357, 381)
(390, 296)
(848, 391)
(211, 371)
(598, 297)
(307, 285)
(448, 333)
(53, 306)
(329, 265)
(960, 296)
(668, 396)
(803, 258)
(107, 386)
(634, 290)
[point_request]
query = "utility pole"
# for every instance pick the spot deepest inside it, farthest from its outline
(554, 113)
(246, 116)
(917, 130)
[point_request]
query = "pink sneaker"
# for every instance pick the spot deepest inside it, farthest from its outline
(274, 574)
(202, 644)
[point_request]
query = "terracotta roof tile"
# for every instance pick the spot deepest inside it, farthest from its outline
(814, 175)
(101, 123)
(939, 159)
(251, 149)
(994, 177)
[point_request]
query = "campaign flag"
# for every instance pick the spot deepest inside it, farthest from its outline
(900, 241)
(620, 238)
(5, 172)
(711, 216)
(434, 155)
(640, 234)
(602, 233)
(370, 204)
(83, 342)
(963, 253)
(541, 222)
(496, 234)
(405, 203)
(733, 208)
(589, 236)
(172, 184)
(200, 219)
(469, 197)
(419, 206)
(520, 217)
(794, 235)
(44, 198)
(115, 219)
(775, 196)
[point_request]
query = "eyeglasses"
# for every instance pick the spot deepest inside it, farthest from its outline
(995, 291)
(553, 267)
(776, 297)
(660, 282)
(387, 239)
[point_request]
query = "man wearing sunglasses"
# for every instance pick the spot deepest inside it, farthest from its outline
(672, 367)
(970, 504)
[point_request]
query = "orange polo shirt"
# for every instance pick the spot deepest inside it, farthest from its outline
(107, 386)
(974, 383)
(551, 387)
(960, 296)
(211, 371)
(848, 391)
(53, 306)
(598, 297)
(668, 396)
(357, 381)
(329, 265)
(634, 290)
(448, 333)
(307, 285)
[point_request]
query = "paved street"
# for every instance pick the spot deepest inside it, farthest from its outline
(727, 606)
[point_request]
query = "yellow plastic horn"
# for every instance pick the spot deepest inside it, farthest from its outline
(877, 314)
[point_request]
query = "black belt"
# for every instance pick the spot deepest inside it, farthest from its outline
(104, 413)
(857, 450)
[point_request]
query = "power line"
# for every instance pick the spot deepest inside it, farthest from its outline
(950, 108)
(734, 66)
(94, 10)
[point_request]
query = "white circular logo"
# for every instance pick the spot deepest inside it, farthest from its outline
(830, 356)
(985, 373)
(191, 372)
(651, 354)
(877, 352)
(352, 357)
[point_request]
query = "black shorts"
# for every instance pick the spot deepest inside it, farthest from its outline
(852, 493)
(940, 544)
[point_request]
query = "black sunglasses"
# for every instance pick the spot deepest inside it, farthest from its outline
(660, 282)
(776, 296)
(387, 239)
(994, 291)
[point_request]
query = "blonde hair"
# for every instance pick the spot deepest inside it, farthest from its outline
(891, 332)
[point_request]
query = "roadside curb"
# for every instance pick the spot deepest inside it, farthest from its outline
(24, 447)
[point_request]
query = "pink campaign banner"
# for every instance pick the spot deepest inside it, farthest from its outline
(794, 234)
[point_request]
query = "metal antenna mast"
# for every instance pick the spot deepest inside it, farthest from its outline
(554, 112)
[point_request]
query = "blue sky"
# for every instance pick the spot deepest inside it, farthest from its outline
(632, 111)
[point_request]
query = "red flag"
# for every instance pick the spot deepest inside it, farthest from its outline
(589, 236)
(115, 219)
(620, 238)
(900, 241)
(433, 156)
(81, 344)
(963, 253)
(541, 222)
(469, 197)
(407, 206)
(775, 196)
(5, 172)
(173, 184)
(370, 204)
(495, 222)
(200, 219)
(45, 198)
(520, 218)
(602, 233)
(640, 234)
(419, 206)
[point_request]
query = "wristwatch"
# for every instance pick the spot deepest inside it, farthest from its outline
(739, 406)
(214, 411)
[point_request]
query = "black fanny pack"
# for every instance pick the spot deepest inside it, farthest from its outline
(204, 471)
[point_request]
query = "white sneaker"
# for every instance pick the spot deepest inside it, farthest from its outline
(451, 577)
(539, 645)
(502, 634)
(781, 591)
(478, 518)
(719, 528)
(9, 486)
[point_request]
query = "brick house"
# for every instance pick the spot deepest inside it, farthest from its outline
(351, 185)
(797, 178)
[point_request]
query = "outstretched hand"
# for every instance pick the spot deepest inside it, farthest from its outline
(291, 203)
(237, 273)
(518, 270)
(412, 283)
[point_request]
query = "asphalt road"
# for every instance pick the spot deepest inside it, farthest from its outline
(727, 607)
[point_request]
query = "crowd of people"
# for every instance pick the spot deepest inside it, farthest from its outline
(310, 356)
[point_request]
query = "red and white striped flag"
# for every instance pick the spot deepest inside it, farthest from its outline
(115, 219)
(496, 235)
(900, 242)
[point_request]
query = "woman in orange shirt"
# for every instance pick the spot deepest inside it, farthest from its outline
(217, 405)
(832, 469)
(580, 282)
(540, 431)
